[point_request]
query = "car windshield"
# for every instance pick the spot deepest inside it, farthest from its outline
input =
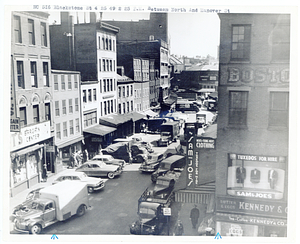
(36, 205)
(146, 213)
(162, 182)
(165, 133)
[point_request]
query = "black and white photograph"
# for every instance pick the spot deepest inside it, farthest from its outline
(149, 122)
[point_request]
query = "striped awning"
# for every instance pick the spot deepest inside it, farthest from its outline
(192, 197)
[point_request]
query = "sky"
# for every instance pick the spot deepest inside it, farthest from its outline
(190, 34)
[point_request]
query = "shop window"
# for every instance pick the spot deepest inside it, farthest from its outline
(76, 105)
(47, 111)
(31, 37)
(63, 84)
(281, 43)
(65, 129)
(58, 133)
(19, 168)
(240, 45)
(43, 34)
(17, 29)
(20, 73)
(70, 105)
(256, 176)
(279, 109)
(71, 127)
(238, 102)
(36, 116)
(23, 117)
(64, 107)
(46, 74)
(33, 74)
(57, 108)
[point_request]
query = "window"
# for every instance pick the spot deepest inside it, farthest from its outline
(120, 92)
(109, 42)
(69, 82)
(64, 107)
(238, 101)
(103, 42)
(104, 85)
(36, 116)
(90, 94)
(131, 105)
(45, 74)
(75, 82)
(23, 117)
(106, 44)
(107, 68)
(31, 32)
(112, 106)
(65, 129)
(123, 91)
(110, 65)
(58, 135)
(124, 108)
(114, 65)
(99, 64)
(131, 90)
(84, 96)
(94, 94)
(105, 111)
(103, 63)
(43, 35)
(281, 43)
(70, 105)
(127, 107)
(71, 127)
(76, 105)
(90, 118)
(47, 111)
(279, 109)
(63, 84)
(240, 49)
(77, 125)
(17, 29)
(111, 84)
(108, 107)
(20, 73)
(120, 108)
(56, 108)
(113, 45)
(127, 91)
(33, 74)
(107, 85)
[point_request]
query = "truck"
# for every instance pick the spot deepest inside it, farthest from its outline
(119, 150)
(149, 162)
(56, 203)
(169, 132)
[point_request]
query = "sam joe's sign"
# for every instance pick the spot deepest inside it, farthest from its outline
(252, 207)
(30, 135)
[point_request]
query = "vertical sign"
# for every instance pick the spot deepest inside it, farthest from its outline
(13, 114)
(190, 131)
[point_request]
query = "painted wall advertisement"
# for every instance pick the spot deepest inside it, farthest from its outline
(30, 135)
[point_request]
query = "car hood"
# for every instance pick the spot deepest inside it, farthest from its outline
(91, 180)
(32, 213)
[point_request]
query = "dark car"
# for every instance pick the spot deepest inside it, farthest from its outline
(31, 196)
(172, 163)
(98, 168)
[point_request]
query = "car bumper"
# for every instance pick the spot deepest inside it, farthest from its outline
(99, 187)
(147, 169)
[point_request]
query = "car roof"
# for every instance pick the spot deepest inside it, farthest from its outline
(103, 156)
(73, 173)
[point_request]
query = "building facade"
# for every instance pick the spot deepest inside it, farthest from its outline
(67, 114)
(31, 145)
(253, 128)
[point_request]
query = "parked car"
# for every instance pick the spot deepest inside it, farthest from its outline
(108, 159)
(98, 168)
(150, 162)
(31, 196)
(93, 184)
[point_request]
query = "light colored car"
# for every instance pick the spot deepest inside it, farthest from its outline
(108, 159)
(93, 183)
(98, 168)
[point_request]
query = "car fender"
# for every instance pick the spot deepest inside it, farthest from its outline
(38, 221)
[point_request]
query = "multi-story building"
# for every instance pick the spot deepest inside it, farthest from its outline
(32, 131)
(67, 114)
(253, 125)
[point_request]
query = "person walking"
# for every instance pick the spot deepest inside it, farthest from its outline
(194, 216)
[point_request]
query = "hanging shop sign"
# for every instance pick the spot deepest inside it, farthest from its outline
(252, 207)
(205, 143)
(30, 135)
(15, 125)
(192, 156)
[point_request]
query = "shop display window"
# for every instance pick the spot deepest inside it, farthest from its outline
(31, 165)
(19, 169)
(256, 176)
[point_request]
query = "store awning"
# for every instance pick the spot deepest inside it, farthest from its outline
(114, 120)
(100, 130)
(150, 113)
(29, 149)
(69, 142)
(135, 116)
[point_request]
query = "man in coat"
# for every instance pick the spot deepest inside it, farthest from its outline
(194, 216)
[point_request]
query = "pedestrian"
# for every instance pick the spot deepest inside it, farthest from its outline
(194, 216)
(44, 175)
(178, 231)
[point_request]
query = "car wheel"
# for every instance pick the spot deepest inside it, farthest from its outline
(110, 175)
(36, 229)
(80, 210)
(90, 189)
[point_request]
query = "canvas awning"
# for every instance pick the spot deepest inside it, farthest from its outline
(70, 142)
(135, 116)
(114, 119)
(100, 130)
(150, 113)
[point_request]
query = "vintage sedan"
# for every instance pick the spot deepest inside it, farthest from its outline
(93, 183)
(149, 162)
(98, 168)
(108, 159)
(31, 196)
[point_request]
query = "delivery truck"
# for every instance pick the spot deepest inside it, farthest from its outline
(169, 132)
(56, 203)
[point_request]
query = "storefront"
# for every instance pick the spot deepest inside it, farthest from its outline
(255, 204)
(28, 153)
